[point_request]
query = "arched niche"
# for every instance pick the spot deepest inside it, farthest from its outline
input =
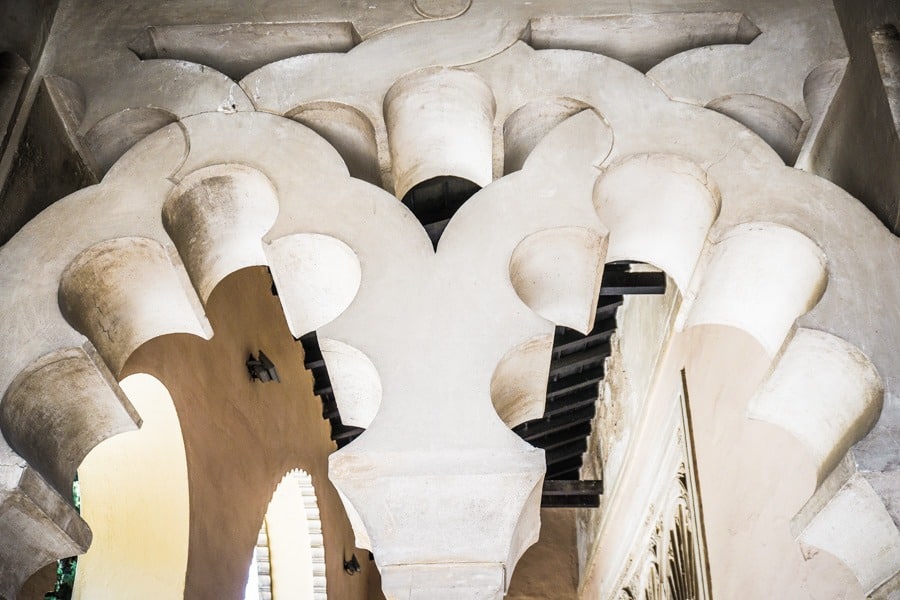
(771, 120)
(113, 135)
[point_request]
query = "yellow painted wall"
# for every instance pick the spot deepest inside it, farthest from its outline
(134, 494)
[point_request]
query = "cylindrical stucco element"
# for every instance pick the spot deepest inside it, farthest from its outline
(440, 123)
(659, 209)
(760, 277)
(217, 217)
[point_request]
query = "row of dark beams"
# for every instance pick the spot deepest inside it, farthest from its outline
(576, 367)
(576, 371)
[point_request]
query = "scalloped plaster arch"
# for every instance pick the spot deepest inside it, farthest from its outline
(552, 190)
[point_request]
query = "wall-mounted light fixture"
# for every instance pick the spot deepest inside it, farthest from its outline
(261, 368)
(351, 567)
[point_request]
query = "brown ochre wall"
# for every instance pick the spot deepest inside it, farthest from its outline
(242, 436)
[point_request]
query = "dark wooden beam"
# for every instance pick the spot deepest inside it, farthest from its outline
(573, 449)
(577, 362)
(564, 466)
(571, 494)
(560, 438)
(569, 402)
(573, 341)
(607, 305)
(532, 430)
(587, 378)
(641, 282)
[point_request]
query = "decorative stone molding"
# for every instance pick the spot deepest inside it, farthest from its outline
(669, 560)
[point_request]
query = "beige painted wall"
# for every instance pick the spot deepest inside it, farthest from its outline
(549, 569)
(134, 493)
(241, 437)
(749, 476)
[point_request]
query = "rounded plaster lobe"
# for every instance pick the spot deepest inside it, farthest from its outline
(759, 278)
(39, 526)
(519, 383)
(217, 217)
(317, 277)
(354, 381)
(123, 292)
(59, 408)
(659, 209)
(351, 133)
(440, 123)
(527, 126)
(825, 392)
(557, 273)
(855, 527)
(771, 120)
(113, 135)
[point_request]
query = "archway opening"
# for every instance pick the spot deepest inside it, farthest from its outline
(289, 558)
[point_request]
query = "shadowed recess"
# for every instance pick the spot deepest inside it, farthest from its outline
(235, 49)
(436, 200)
(59, 409)
(641, 41)
(13, 71)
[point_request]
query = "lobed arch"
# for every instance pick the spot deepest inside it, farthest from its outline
(396, 256)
